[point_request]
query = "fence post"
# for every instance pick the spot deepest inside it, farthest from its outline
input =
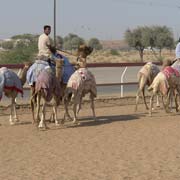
(122, 80)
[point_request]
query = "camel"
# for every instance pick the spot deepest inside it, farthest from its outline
(81, 82)
(12, 84)
(47, 87)
(165, 83)
(42, 63)
(146, 76)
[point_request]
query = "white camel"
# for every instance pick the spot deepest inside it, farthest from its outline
(146, 76)
(166, 82)
(12, 84)
(80, 83)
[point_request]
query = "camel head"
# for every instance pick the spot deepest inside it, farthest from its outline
(22, 73)
(84, 51)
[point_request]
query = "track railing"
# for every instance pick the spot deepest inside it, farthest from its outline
(99, 65)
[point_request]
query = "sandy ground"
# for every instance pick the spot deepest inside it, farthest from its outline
(122, 145)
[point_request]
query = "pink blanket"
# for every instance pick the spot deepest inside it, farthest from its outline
(169, 71)
(83, 80)
(47, 82)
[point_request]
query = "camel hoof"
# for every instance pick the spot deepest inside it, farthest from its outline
(76, 123)
(57, 124)
(42, 126)
(12, 123)
(16, 120)
(68, 118)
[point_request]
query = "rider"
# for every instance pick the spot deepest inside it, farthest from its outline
(178, 50)
(44, 42)
(43, 58)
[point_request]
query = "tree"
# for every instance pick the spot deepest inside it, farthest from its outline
(7, 44)
(72, 41)
(138, 38)
(154, 36)
(162, 38)
(59, 42)
(95, 44)
(30, 37)
(23, 50)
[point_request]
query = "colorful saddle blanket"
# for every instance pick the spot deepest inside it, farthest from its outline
(34, 71)
(47, 82)
(170, 71)
(82, 79)
(9, 80)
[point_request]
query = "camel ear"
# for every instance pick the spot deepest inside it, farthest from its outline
(81, 47)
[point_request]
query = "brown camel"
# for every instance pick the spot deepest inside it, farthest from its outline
(11, 86)
(166, 82)
(146, 76)
(47, 88)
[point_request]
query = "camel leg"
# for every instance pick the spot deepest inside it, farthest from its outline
(11, 121)
(42, 123)
(137, 99)
(142, 84)
(144, 98)
(66, 104)
(151, 104)
(79, 105)
(38, 106)
(15, 112)
(32, 109)
(177, 95)
(32, 103)
(176, 103)
(92, 107)
(55, 114)
(75, 109)
(167, 101)
(157, 101)
(76, 105)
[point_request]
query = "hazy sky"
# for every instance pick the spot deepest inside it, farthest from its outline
(105, 19)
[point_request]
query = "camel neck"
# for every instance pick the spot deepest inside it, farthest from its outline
(22, 75)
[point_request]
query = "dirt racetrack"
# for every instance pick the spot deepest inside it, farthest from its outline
(121, 145)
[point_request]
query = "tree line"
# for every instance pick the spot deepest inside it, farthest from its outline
(158, 37)
(24, 47)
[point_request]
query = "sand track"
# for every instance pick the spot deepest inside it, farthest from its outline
(122, 145)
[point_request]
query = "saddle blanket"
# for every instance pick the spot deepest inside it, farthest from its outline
(34, 71)
(9, 80)
(47, 82)
(83, 79)
(170, 71)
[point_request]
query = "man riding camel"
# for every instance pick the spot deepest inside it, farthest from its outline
(44, 42)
